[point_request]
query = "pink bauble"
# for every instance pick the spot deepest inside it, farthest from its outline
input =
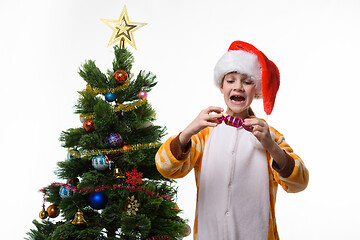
(188, 230)
(142, 94)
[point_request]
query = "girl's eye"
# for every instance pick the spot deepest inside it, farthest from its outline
(248, 82)
(229, 81)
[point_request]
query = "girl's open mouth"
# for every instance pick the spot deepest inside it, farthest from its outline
(238, 99)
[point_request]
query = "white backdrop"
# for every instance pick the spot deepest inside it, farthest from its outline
(315, 44)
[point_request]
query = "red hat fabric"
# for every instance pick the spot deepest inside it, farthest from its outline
(244, 58)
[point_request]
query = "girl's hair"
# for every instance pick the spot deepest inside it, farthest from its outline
(251, 112)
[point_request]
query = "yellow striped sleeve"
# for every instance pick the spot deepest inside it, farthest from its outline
(170, 167)
(299, 178)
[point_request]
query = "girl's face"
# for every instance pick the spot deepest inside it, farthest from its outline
(239, 92)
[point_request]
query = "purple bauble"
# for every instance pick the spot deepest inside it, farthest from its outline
(113, 140)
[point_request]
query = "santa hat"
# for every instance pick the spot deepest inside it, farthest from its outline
(244, 58)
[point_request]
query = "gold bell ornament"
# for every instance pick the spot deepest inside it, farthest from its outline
(79, 218)
(118, 173)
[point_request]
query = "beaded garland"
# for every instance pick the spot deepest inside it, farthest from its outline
(113, 187)
(160, 237)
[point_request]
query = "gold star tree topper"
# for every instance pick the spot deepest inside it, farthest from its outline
(123, 29)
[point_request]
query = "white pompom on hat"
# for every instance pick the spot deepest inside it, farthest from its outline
(244, 58)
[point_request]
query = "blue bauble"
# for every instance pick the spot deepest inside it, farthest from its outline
(110, 97)
(113, 140)
(64, 192)
(100, 162)
(98, 200)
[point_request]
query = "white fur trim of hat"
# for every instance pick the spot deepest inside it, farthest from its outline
(240, 62)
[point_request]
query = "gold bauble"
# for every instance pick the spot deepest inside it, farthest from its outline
(43, 214)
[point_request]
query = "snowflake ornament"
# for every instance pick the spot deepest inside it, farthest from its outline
(132, 207)
(133, 177)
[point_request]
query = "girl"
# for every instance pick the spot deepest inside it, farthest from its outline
(238, 165)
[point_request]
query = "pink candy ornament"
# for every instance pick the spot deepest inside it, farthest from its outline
(143, 94)
(234, 122)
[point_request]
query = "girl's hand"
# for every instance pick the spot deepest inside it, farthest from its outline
(206, 118)
(260, 129)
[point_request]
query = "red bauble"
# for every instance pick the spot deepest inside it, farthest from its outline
(120, 76)
(52, 211)
(126, 147)
(89, 125)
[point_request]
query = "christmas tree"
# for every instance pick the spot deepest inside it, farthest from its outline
(110, 186)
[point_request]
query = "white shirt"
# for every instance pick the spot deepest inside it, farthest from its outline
(233, 199)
